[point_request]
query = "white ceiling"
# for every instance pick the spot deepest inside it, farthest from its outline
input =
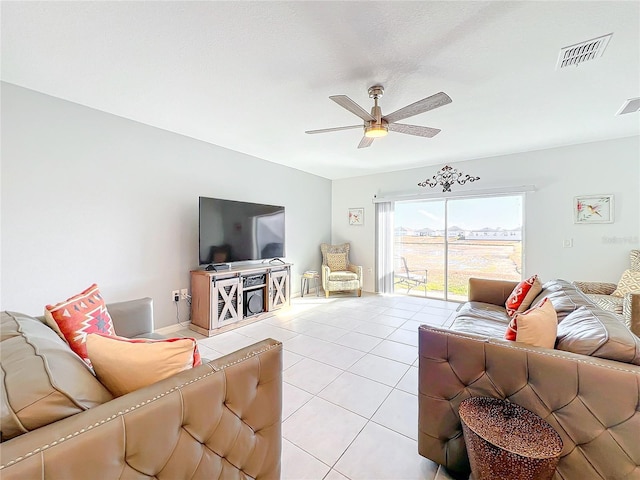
(253, 76)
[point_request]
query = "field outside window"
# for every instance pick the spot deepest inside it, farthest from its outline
(454, 239)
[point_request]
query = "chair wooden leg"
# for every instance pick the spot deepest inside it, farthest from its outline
(326, 293)
(359, 292)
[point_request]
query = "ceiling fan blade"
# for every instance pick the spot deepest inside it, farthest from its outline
(421, 106)
(365, 142)
(334, 129)
(414, 130)
(353, 107)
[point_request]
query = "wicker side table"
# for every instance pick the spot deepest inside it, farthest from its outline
(505, 440)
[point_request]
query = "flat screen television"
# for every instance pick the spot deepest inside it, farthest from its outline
(232, 231)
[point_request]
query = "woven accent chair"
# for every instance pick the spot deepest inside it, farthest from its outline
(338, 274)
(628, 305)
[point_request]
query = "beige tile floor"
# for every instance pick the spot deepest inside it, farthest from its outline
(350, 405)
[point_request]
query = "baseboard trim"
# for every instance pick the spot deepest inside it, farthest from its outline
(171, 328)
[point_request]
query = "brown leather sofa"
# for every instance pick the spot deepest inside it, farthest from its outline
(587, 388)
(219, 420)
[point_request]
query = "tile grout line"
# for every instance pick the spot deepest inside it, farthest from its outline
(347, 409)
(354, 373)
(311, 455)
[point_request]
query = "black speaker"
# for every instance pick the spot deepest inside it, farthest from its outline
(253, 302)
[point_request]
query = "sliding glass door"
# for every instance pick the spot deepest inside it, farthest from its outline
(439, 244)
(419, 248)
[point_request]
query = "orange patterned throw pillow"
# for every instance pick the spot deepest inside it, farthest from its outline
(127, 364)
(537, 326)
(522, 296)
(79, 316)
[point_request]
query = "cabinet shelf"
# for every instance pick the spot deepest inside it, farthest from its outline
(220, 300)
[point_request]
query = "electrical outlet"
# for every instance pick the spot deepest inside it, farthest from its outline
(175, 295)
(184, 293)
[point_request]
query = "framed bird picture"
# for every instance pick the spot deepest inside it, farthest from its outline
(593, 209)
(356, 216)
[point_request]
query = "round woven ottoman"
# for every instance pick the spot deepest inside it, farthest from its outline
(507, 441)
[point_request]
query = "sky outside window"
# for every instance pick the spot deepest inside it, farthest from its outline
(470, 214)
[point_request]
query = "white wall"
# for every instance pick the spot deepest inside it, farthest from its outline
(600, 251)
(91, 197)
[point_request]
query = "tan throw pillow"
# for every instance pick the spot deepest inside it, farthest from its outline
(629, 283)
(537, 326)
(337, 262)
(124, 365)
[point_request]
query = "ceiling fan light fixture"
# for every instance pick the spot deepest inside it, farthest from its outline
(377, 125)
(376, 131)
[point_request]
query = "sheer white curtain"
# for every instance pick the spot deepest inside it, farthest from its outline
(384, 247)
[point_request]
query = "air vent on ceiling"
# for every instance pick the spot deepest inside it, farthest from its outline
(632, 105)
(574, 55)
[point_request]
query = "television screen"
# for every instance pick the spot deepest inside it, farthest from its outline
(231, 231)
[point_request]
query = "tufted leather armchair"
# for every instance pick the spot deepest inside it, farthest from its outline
(219, 420)
(627, 306)
(349, 278)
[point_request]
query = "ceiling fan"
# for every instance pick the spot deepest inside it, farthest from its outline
(376, 125)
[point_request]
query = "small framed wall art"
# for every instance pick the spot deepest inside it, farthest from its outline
(356, 216)
(593, 209)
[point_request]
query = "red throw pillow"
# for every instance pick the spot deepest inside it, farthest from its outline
(537, 326)
(512, 330)
(79, 316)
(522, 296)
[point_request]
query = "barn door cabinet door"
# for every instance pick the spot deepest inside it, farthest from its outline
(227, 296)
(278, 289)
